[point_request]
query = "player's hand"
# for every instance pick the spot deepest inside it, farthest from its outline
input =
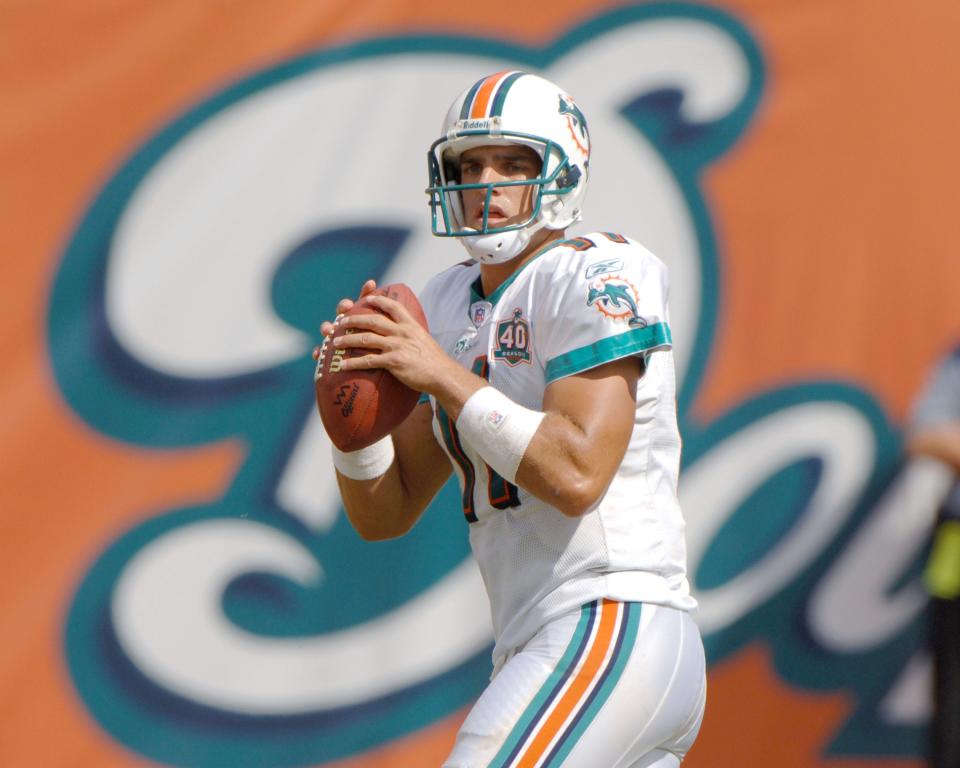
(326, 327)
(397, 342)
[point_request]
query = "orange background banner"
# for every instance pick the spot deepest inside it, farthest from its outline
(834, 216)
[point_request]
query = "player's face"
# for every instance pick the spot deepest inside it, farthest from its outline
(494, 163)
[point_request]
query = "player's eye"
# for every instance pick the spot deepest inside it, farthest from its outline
(521, 166)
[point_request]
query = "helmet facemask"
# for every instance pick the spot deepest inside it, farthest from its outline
(449, 218)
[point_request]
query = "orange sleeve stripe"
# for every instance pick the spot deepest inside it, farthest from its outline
(578, 687)
(482, 101)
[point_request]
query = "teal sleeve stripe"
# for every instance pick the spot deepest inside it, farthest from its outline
(424, 398)
(605, 350)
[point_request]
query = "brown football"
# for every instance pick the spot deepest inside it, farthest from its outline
(360, 407)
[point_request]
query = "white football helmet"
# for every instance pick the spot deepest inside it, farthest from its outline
(510, 107)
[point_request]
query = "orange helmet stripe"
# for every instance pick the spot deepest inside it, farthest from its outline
(481, 104)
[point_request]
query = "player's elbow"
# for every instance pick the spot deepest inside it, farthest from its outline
(367, 531)
(369, 534)
(378, 524)
(380, 532)
(578, 496)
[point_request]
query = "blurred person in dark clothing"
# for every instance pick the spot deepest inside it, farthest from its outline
(935, 433)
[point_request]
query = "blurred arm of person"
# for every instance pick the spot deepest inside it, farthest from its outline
(940, 441)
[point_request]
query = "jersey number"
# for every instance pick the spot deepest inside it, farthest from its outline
(502, 494)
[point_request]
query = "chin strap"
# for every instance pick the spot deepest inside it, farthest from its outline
(499, 247)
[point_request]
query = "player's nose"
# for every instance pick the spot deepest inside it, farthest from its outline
(489, 175)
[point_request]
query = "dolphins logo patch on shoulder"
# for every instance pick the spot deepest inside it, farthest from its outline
(616, 298)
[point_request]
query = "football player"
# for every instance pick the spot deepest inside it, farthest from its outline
(549, 390)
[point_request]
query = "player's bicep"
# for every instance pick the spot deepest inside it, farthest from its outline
(600, 403)
(423, 465)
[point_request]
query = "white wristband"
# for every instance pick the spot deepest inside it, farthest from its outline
(367, 463)
(499, 429)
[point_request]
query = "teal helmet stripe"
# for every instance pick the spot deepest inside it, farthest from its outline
(501, 96)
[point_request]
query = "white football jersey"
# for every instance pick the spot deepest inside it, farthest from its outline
(578, 304)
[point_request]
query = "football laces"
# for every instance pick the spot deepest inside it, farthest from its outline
(318, 371)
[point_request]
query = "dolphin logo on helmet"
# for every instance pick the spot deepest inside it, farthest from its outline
(577, 122)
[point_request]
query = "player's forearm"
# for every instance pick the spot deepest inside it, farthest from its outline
(941, 443)
(380, 508)
(567, 453)
(545, 453)
(453, 387)
(563, 462)
(562, 467)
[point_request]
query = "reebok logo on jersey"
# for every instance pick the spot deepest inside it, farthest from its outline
(603, 267)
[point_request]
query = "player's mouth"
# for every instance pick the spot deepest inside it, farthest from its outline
(495, 216)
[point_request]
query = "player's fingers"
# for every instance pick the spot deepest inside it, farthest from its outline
(343, 305)
(368, 287)
(362, 339)
(362, 363)
(316, 353)
(393, 308)
(371, 322)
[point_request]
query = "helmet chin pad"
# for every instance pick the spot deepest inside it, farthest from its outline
(499, 247)
(496, 248)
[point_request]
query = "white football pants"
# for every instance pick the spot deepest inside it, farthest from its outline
(611, 685)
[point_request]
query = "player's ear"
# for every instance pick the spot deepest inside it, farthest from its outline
(451, 169)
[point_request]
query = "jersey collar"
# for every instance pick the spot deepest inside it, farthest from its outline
(476, 287)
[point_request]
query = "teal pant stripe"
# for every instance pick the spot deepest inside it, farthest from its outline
(626, 641)
(549, 690)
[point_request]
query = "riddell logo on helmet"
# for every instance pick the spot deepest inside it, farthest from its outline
(486, 124)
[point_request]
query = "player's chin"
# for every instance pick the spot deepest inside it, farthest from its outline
(493, 222)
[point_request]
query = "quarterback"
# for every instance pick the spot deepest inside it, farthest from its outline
(548, 388)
